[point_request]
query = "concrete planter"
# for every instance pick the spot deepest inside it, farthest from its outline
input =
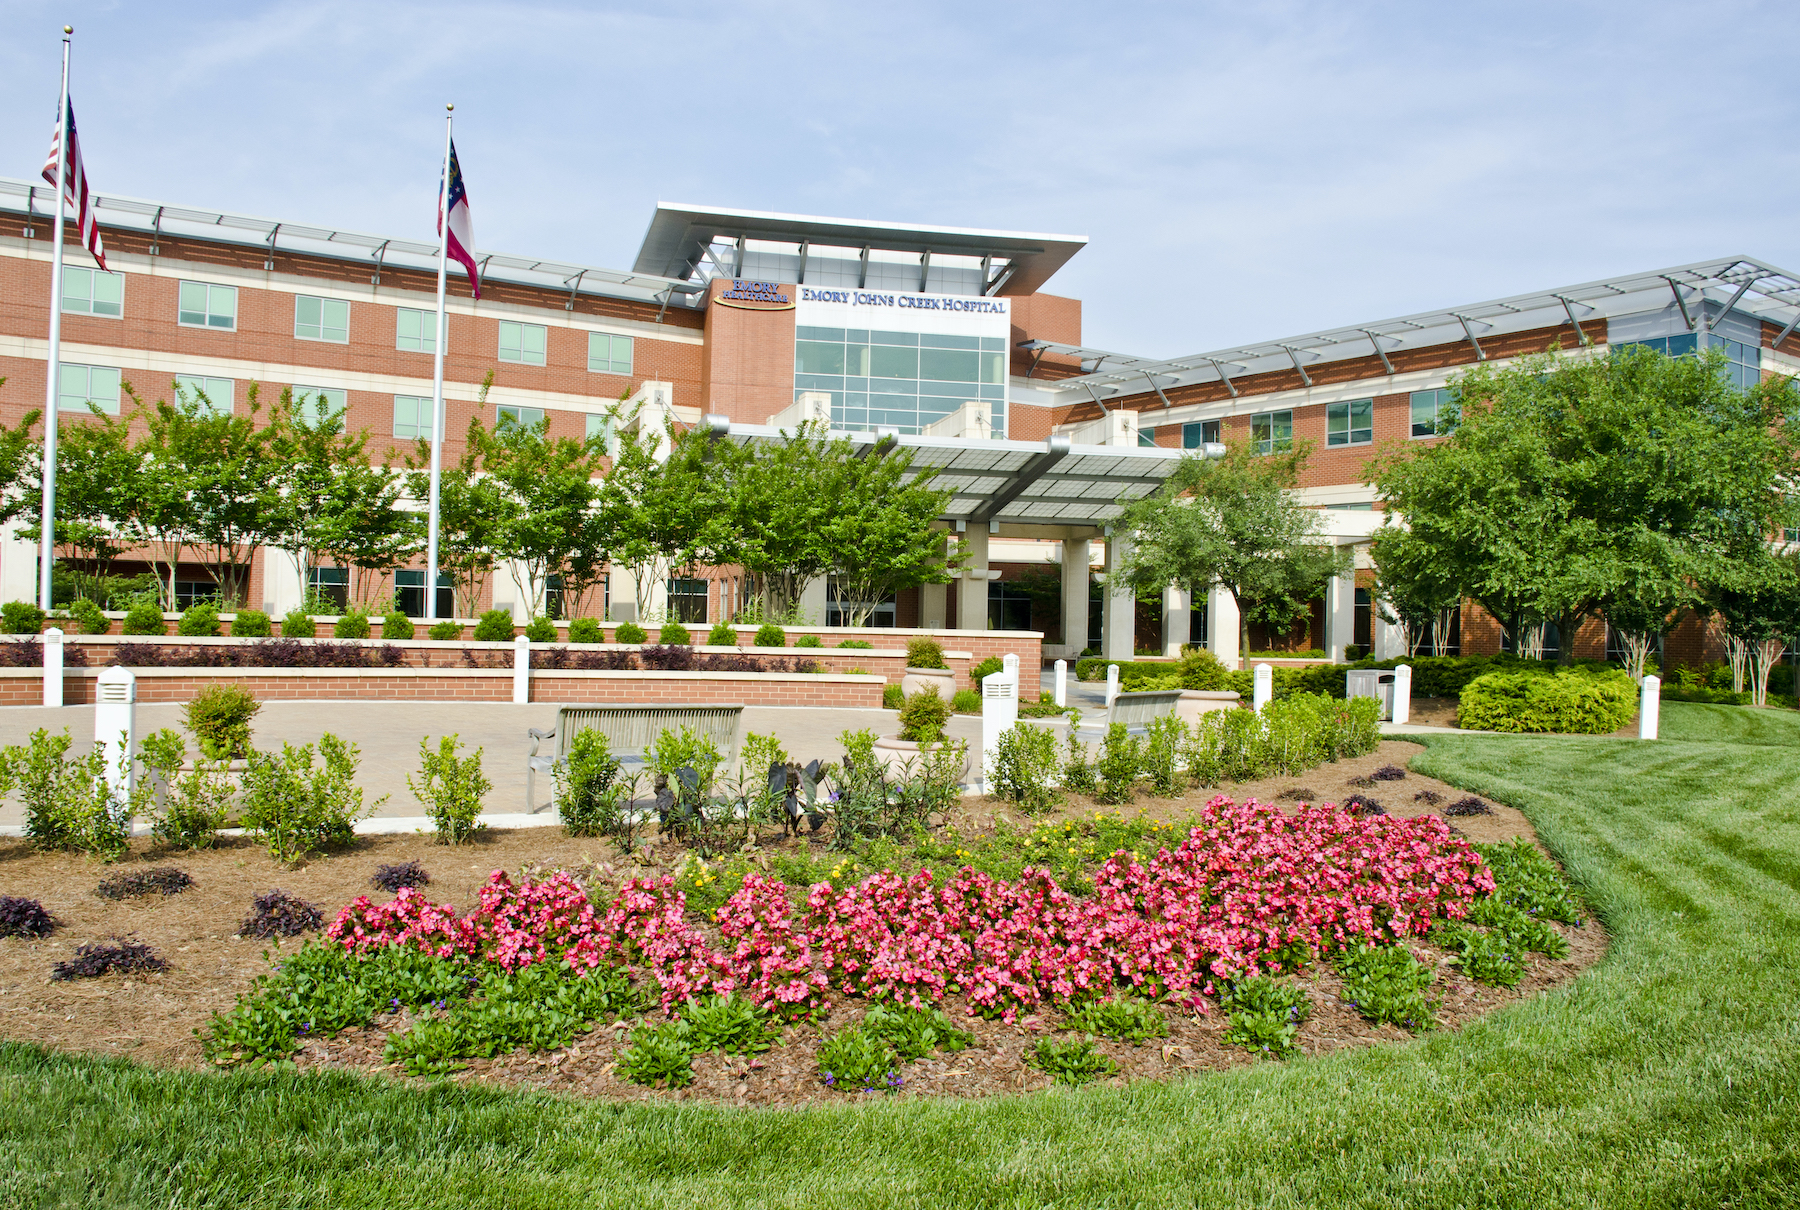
(895, 754)
(919, 678)
(1196, 702)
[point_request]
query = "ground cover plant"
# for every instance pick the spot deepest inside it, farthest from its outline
(124, 957)
(22, 917)
(393, 876)
(161, 880)
(278, 914)
(1664, 1076)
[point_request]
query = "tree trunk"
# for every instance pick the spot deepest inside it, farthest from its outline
(1762, 659)
(1738, 652)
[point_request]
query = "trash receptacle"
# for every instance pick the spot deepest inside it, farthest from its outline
(1372, 682)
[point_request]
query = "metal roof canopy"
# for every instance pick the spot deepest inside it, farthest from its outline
(1050, 483)
(33, 201)
(679, 234)
(1739, 282)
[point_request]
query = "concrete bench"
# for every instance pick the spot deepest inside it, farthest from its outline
(1136, 710)
(629, 731)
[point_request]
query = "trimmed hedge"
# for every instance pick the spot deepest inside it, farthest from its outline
(1571, 701)
(1433, 676)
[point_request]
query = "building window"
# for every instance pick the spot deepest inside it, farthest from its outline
(319, 404)
(1362, 629)
(839, 608)
(601, 427)
(409, 594)
(1009, 607)
(212, 395)
(78, 386)
(93, 292)
(1147, 436)
(321, 319)
(1198, 623)
(1272, 432)
(1433, 413)
(201, 305)
(1351, 423)
(415, 331)
(687, 600)
(900, 380)
(608, 354)
(189, 593)
(412, 416)
(523, 343)
(1355, 506)
(1743, 363)
(1193, 436)
(331, 584)
(509, 413)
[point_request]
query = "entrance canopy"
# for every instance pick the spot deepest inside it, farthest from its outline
(1051, 484)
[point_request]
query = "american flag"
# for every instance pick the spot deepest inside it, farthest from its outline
(461, 244)
(75, 187)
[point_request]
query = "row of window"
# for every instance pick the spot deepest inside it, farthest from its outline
(205, 305)
(1349, 423)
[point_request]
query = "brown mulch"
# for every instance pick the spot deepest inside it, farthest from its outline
(153, 1018)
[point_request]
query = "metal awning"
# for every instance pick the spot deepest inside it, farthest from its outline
(1021, 482)
(33, 202)
(1740, 283)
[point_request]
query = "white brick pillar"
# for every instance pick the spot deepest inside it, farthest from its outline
(1178, 609)
(1222, 621)
(1340, 613)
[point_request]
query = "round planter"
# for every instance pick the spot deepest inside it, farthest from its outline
(919, 678)
(1196, 702)
(895, 754)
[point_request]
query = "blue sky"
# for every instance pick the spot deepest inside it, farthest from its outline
(1242, 172)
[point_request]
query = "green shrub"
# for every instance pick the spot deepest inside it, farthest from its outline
(541, 630)
(809, 640)
(353, 624)
(396, 627)
(1070, 1061)
(1162, 752)
(21, 617)
(922, 652)
(589, 796)
(91, 618)
(1486, 957)
(298, 624)
(723, 634)
(985, 669)
(298, 809)
(145, 617)
(684, 747)
(965, 701)
(495, 626)
(219, 716)
(1025, 766)
(586, 630)
(1124, 1019)
(1265, 1015)
(854, 1060)
(193, 805)
(445, 631)
(1577, 701)
(659, 1056)
(1121, 761)
(629, 632)
(199, 621)
(1201, 669)
(859, 644)
(451, 789)
(1529, 881)
(1077, 769)
(674, 634)
(770, 635)
(250, 624)
(892, 697)
(69, 804)
(923, 715)
(1385, 983)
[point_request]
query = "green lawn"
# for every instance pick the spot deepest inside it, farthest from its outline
(1667, 1076)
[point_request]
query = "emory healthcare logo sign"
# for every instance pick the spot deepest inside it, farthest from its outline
(756, 296)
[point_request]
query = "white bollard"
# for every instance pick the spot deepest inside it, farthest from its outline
(53, 667)
(999, 710)
(1402, 693)
(1262, 689)
(1062, 683)
(1112, 684)
(115, 721)
(521, 670)
(1650, 707)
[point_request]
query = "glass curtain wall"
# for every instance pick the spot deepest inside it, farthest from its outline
(901, 380)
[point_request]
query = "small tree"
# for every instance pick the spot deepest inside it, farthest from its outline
(1414, 590)
(1234, 524)
(1760, 613)
(881, 534)
(471, 508)
(548, 494)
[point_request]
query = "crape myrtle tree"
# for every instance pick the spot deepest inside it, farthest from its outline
(1571, 479)
(548, 500)
(880, 531)
(99, 470)
(1760, 614)
(1414, 589)
(1233, 523)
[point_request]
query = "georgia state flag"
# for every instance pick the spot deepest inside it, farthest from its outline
(461, 244)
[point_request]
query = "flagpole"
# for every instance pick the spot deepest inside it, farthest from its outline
(437, 378)
(53, 369)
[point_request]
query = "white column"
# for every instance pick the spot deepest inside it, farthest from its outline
(53, 667)
(1062, 683)
(521, 670)
(1650, 707)
(1389, 639)
(1077, 567)
(813, 600)
(1119, 632)
(1262, 687)
(1222, 621)
(1402, 693)
(972, 595)
(619, 589)
(1340, 614)
(934, 600)
(281, 582)
(115, 723)
(1178, 608)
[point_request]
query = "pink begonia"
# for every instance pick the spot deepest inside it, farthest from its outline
(1250, 889)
